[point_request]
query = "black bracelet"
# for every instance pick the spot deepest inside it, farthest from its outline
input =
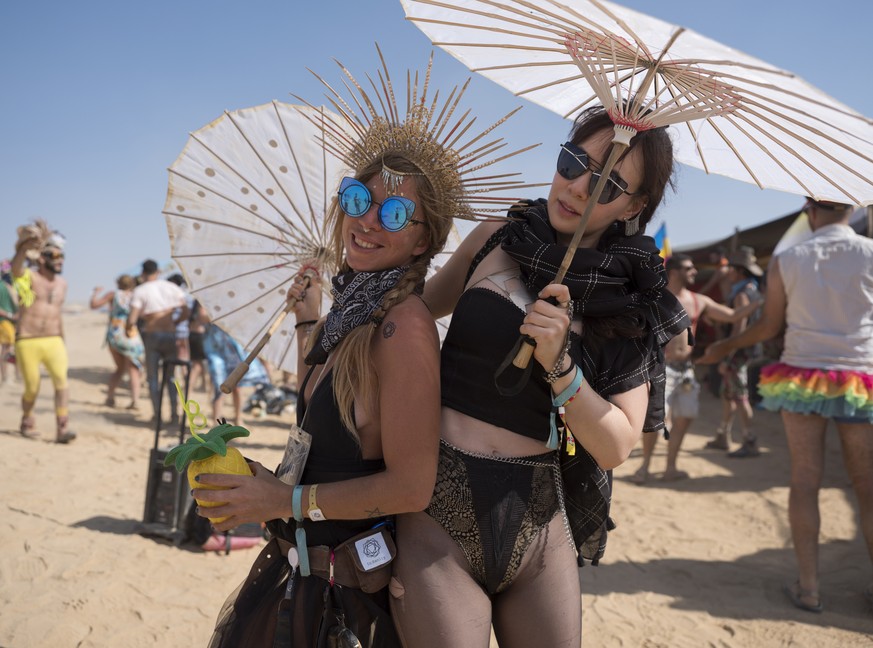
(553, 375)
(567, 370)
(305, 323)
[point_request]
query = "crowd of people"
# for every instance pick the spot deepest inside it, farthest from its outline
(436, 489)
(820, 292)
(157, 323)
(152, 322)
(683, 387)
(505, 488)
(425, 455)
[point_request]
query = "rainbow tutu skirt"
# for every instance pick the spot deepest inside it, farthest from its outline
(828, 393)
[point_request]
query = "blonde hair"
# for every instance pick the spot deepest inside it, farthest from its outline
(125, 282)
(354, 376)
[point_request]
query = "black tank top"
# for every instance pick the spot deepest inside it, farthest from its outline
(334, 456)
(483, 330)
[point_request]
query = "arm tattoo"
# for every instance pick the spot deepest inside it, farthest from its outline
(389, 329)
(375, 513)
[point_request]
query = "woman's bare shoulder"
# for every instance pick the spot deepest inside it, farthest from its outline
(409, 322)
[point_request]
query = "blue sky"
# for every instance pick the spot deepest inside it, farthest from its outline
(97, 99)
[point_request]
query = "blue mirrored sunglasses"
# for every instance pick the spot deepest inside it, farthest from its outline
(573, 161)
(395, 212)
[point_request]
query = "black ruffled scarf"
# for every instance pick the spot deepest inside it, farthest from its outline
(624, 276)
(357, 296)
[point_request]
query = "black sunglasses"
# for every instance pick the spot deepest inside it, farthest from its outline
(395, 212)
(573, 161)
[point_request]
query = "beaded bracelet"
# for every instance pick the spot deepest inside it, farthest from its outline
(551, 376)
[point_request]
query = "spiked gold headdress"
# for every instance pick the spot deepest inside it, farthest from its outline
(426, 135)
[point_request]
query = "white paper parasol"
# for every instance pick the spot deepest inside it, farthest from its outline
(730, 114)
(245, 211)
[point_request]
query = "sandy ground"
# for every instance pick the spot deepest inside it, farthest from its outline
(693, 563)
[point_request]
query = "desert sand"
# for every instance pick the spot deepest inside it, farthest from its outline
(700, 562)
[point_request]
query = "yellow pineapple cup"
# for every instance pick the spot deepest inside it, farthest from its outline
(207, 453)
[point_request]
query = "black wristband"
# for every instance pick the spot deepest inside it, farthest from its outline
(566, 371)
(551, 376)
(305, 323)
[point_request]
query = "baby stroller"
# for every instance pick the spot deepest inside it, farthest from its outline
(270, 399)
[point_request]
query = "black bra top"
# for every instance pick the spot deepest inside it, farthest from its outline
(483, 330)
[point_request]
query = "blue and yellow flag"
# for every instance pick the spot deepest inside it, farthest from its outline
(662, 241)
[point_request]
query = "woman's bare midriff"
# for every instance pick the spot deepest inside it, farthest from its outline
(477, 436)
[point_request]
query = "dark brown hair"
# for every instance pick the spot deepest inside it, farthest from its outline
(125, 282)
(675, 262)
(656, 149)
(654, 145)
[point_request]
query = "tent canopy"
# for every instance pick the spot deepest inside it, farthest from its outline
(763, 238)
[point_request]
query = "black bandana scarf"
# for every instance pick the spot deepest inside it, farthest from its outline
(625, 277)
(356, 297)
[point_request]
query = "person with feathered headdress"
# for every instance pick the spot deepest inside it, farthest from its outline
(369, 370)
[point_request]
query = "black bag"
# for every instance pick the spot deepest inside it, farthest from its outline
(258, 613)
(587, 494)
(197, 529)
(167, 491)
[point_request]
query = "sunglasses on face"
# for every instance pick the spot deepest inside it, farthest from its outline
(53, 256)
(574, 162)
(395, 212)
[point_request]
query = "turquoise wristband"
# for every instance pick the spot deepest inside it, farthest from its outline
(296, 503)
(559, 401)
(302, 551)
(571, 389)
(300, 533)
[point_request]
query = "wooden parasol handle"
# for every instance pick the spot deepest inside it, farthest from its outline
(237, 374)
(525, 352)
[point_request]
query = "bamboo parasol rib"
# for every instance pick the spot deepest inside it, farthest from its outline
(730, 113)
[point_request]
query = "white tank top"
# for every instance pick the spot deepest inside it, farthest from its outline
(829, 287)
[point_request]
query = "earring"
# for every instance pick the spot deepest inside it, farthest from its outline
(632, 225)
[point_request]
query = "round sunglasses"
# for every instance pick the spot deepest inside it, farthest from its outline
(395, 212)
(573, 161)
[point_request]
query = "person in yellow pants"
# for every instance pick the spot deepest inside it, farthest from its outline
(39, 339)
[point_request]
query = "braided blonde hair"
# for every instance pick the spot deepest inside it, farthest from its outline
(354, 376)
